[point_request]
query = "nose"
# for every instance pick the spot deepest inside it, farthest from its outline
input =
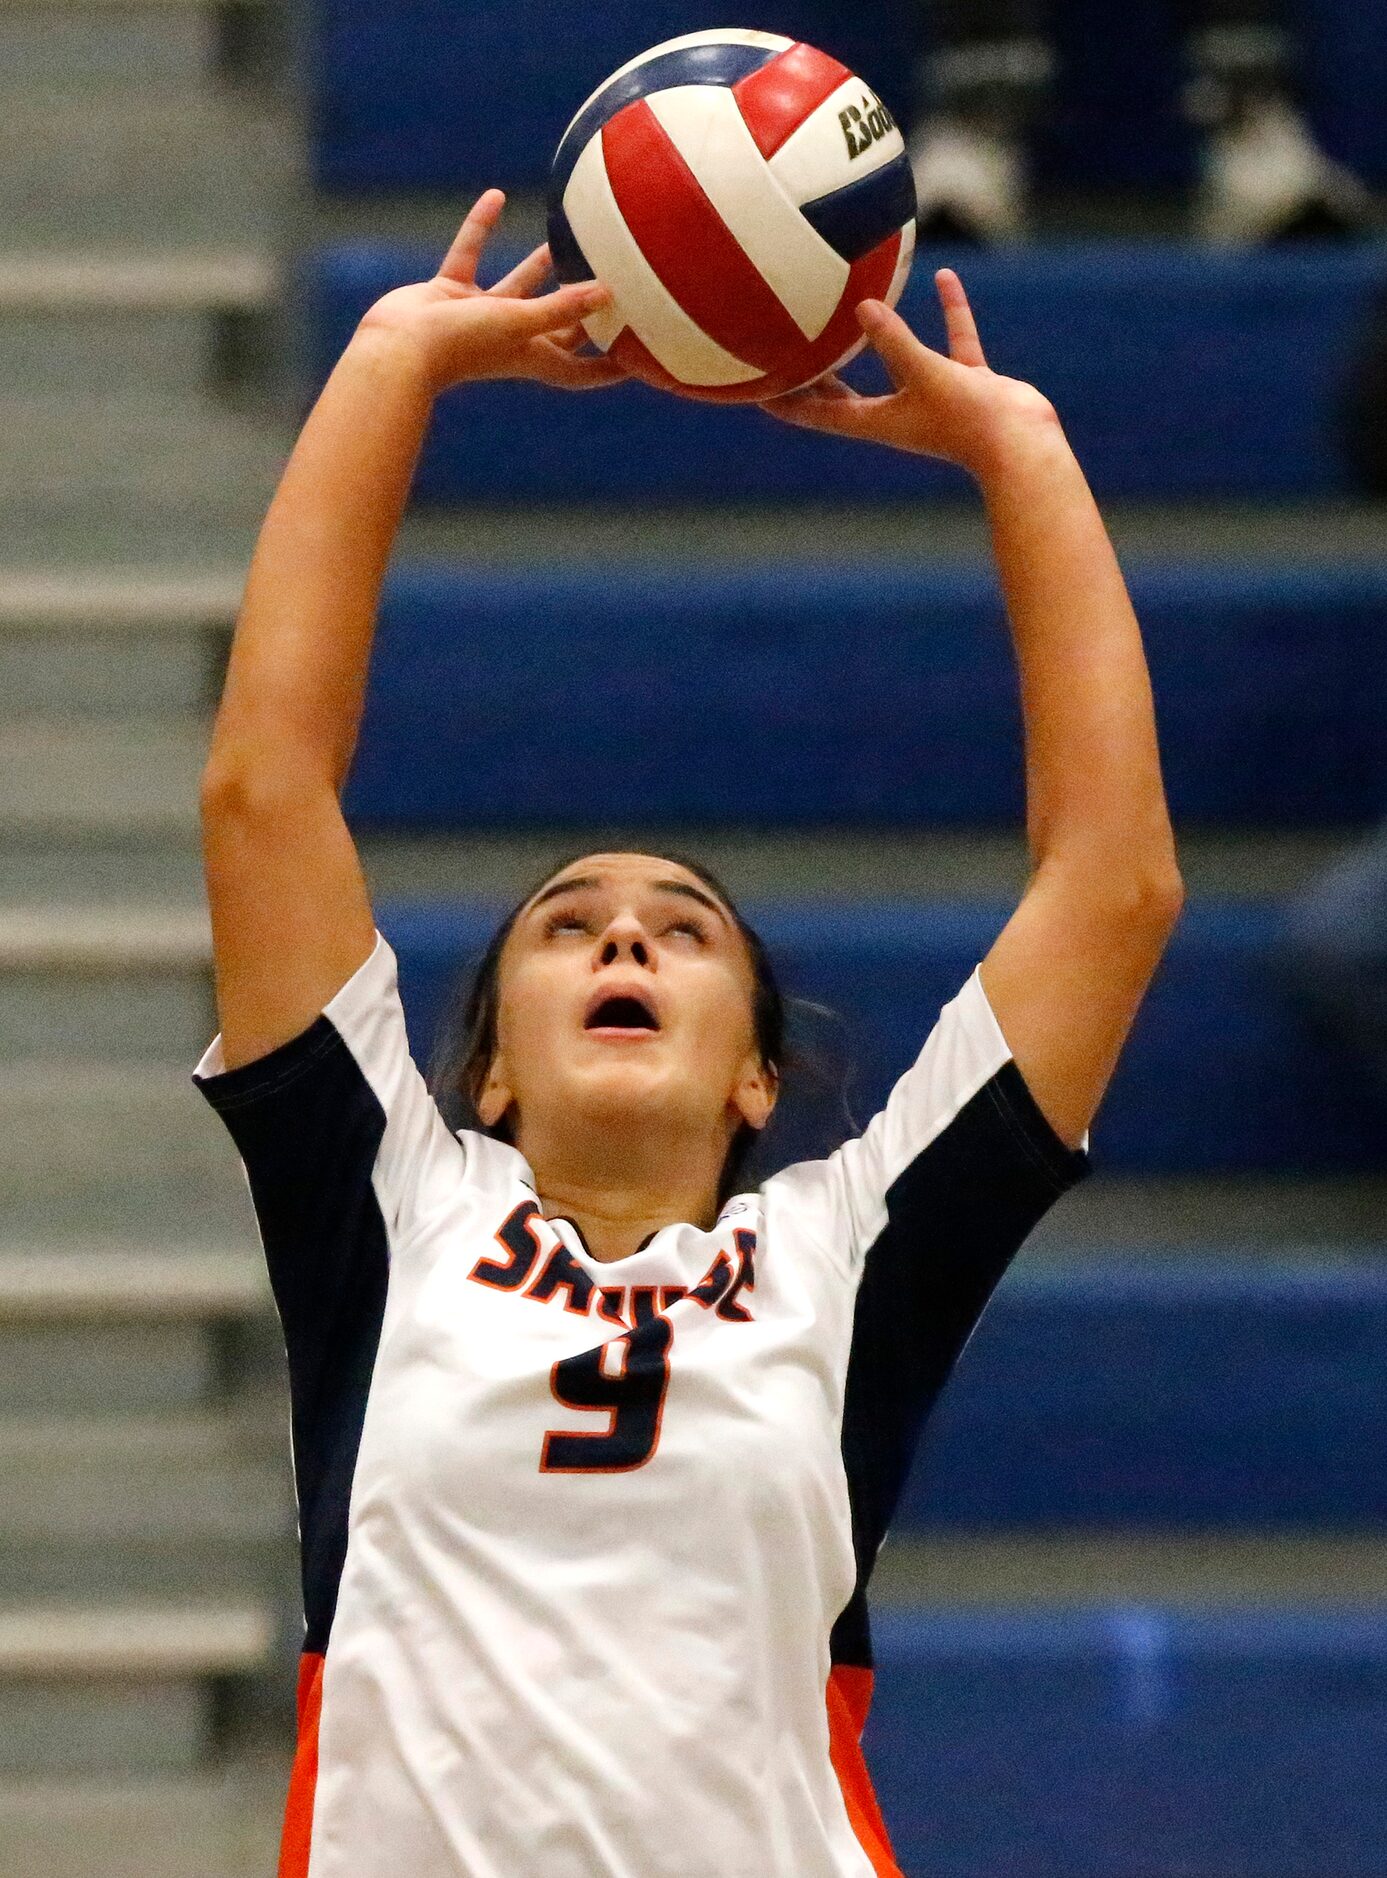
(624, 939)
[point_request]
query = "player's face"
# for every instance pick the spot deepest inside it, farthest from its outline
(626, 992)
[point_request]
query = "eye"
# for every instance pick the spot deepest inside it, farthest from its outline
(690, 928)
(565, 922)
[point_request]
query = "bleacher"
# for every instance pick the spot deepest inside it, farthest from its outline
(918, 728)
(1133, 1741)
(1129, 1624)
(1180, 376)
(401, 102)
(1222, 1074)
(1218, 1404)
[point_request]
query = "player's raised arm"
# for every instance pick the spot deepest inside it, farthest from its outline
(291, 920)
(1067, 975)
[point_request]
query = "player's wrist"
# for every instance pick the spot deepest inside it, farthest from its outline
(400, 353)
(1019, 433)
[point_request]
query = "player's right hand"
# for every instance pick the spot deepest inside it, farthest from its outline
(952, 406)
(459, 331)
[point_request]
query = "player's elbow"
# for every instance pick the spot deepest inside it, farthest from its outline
(1125, 901)
(1148, 899)
(1167, 891)
(238, 791)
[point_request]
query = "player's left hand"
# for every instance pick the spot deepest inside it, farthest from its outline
(461, 331)
(954, 407)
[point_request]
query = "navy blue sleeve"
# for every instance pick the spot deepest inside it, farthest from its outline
(951, 1219)
(337, 1135)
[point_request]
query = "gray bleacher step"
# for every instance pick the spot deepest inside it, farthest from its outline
(106, 1329)
(1133, 1567)
(135, 1146)
(51, 1279)
(72, 777)
(130, 531)
(102, 1505)
(833, 864)
(89, 869)
(109, 938)
(1324, 532)
(97, 867)
(139, 165)
(1240, 1213)
(85, 675)
(114, 642)
(112, 982)
(220, 1824)
(62, 43)
(126, 1687)
(157, 281)
(94, 867)
(100, 353)
(114, 602)
(158, 456)
(131, 1147)
(78, 1281)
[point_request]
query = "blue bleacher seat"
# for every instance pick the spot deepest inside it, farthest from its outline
(409, 94)
(1133, 1743)
(794, 693)
(1158, 1392)
(1178, 374)
(1220, 1074)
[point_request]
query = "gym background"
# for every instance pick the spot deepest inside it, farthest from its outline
(1132, 1624)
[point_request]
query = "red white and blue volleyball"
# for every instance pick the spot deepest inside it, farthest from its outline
(740, 193)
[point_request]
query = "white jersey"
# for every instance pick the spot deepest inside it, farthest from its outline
(585, 1545)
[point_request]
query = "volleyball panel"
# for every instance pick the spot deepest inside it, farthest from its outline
(846, 137)
(607, 249)
(690, 247)
(717, 58)
(769, 43)
(740, 194)
(857, 217)
(707, 128)
(875, 276)
(776, 99)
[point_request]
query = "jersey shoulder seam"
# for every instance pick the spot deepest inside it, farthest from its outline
(306, 1051)
(1017, 1125)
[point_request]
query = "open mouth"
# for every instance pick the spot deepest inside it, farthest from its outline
(622, 1012)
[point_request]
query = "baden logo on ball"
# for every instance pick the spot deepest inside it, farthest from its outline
(739, 193)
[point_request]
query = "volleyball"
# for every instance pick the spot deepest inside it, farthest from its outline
(739, 193)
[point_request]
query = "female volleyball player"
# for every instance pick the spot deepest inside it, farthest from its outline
(593, 1457)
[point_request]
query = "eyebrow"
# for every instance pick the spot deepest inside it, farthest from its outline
(683, 888)
(586, 882)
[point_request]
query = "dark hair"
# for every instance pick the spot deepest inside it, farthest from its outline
(466, 1042)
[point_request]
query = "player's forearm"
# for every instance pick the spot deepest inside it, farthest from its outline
(297, 674)
(1093, 777)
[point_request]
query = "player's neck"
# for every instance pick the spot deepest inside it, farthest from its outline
(614, 1225)
(618, 1198)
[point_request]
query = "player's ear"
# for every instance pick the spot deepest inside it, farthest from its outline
(495, 1097)
(754, 1097)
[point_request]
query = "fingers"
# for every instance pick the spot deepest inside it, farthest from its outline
(460, 262)
(526, 277)
(569, 337)
(554, 366)
(964, 344)
(906, 358)
(553, 311)
(845, 416)
(830, 387)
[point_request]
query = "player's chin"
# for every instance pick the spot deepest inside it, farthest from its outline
(620, 1079)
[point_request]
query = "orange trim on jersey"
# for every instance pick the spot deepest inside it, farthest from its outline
(849, 1697)
(303, 1781)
